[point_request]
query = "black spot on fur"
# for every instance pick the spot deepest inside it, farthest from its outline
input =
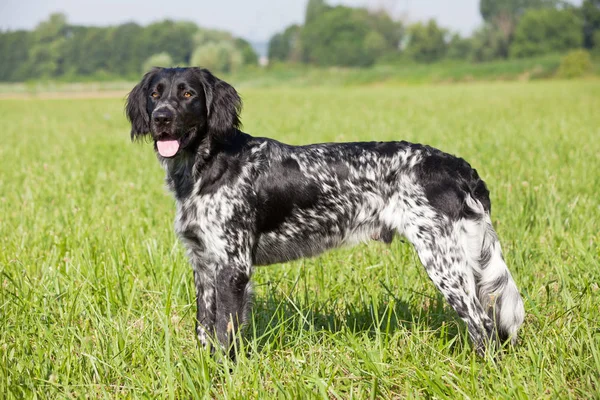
(224, 170)
(458, 303)
(386, 235)
(498, 283)
(283, 190)
(340, 170)
(226, 166)
(387, 149)
(181, 182)
(485, 257)
(448, 180)
(231, 300)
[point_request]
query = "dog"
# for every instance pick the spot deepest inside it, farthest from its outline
(244, 201)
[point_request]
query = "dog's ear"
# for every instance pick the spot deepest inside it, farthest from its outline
(223, 106)
(136, 108)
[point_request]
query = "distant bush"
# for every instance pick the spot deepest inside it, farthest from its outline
(459, 48)
(575, 64)
(157, 60)
(488, 44)
(218, 57)
(426, 42)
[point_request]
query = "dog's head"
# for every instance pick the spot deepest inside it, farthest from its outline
(179, 107)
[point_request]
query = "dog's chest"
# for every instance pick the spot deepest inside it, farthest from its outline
(195, 219)
(206, 225)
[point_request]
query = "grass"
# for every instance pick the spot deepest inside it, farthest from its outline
(96, 296)
(402, 71)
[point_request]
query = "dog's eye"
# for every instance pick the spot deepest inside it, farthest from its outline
(187, 95)
(155, 95)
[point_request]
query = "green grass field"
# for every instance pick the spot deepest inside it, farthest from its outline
(96, 296)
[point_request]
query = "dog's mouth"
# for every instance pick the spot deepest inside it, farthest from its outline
(167, 147)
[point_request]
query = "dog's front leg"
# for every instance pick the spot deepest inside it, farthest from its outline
(233, 296)
(206, 305)
(223, 294)
(220, 248)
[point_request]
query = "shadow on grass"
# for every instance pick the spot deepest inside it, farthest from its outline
(278, 322)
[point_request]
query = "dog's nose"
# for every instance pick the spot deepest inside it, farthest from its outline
(162, 117)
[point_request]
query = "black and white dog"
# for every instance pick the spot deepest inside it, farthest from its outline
(244, 201)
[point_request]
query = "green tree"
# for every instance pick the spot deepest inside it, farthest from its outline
(14, 48)
(374, 45)
(488, 43)
(204, 36)
(157, 60)
(286, 46)
(241, 51)
(176, 38)
(491, 9)
(426, 42)
(504, 14)
(590, 11)
(97, 50)
(218, 56)
(126, 53)
(249, 56)
(596, 41)
(277, 49)
(391, 31)
(48, 39)
(459, 48)
(57, 49)
(340, 36)
(546, 31)
(87, 51)
(314, 8)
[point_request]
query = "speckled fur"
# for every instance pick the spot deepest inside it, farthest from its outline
(244, 201)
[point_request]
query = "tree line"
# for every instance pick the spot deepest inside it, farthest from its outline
(330, 36)
(57, 49)
(345, 36)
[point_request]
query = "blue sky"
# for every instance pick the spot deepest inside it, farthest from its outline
(255, 20)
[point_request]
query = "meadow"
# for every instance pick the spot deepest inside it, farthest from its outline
(96, 296)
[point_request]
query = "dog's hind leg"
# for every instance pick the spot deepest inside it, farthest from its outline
(496, 289)
(462, 257)
(442, 255)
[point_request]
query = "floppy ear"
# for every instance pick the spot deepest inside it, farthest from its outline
(223, 106)
(136, 110)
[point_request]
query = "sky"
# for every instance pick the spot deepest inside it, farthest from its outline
(254, 20)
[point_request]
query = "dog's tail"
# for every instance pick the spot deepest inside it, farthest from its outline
(496, 289)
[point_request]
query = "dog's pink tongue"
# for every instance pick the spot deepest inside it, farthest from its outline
(167, 148)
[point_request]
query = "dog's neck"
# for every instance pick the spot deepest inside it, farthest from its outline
(184, 171)
(180, 174)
